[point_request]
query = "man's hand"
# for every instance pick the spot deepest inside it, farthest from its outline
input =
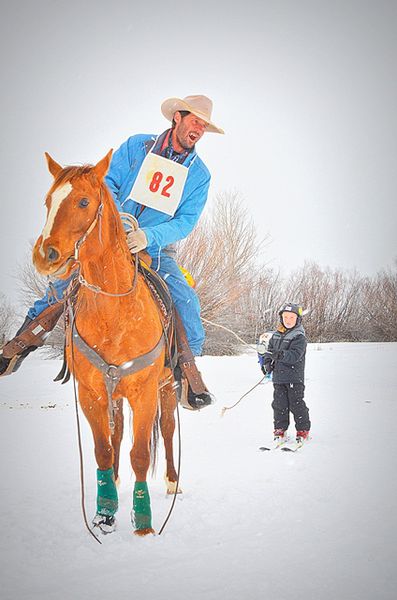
(136, 241)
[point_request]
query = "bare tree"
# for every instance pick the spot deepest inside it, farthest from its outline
(7, 319)
(32, 287)
(238, 291)
(379, 305)
(221, 254)
(332, 298)
(259, 308)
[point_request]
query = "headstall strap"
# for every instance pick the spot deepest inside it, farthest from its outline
(81, 241)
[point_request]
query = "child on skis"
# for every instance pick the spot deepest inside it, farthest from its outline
(285, 359)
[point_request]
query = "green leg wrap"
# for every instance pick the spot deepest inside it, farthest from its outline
(141, 512)
(107, 501)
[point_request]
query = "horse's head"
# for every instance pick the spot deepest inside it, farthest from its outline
(73, 206)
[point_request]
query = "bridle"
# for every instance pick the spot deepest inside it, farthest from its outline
(95, 288)
(97, 218)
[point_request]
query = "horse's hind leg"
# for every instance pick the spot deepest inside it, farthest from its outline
(107, 499)
(167, 426)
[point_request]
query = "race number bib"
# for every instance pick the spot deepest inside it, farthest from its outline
(159, 184)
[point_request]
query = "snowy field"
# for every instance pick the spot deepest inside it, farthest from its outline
(319, 524)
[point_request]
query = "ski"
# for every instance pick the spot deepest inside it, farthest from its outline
(274, 446)
(294, 447)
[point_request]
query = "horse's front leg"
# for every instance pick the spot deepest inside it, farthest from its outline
(144, 408)
(94, 406)
(117, 436)
(167, 426)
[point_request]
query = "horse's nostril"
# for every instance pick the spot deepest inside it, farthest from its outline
(52, 254)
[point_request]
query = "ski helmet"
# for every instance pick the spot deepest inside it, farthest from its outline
(294, 308)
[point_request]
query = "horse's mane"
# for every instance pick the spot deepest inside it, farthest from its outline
(72, 172)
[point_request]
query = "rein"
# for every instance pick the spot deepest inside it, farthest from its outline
(97, 290)
(76, 404)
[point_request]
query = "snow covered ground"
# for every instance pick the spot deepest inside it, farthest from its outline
(319, 524)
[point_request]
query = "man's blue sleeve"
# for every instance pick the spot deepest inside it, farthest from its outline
(119, 169)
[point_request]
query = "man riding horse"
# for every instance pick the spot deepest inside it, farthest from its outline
(162, 182)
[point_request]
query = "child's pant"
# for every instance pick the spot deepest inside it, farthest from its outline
(289, 397)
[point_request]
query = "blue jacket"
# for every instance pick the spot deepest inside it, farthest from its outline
(160, 229)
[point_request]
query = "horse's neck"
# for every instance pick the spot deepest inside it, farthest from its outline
(122, 322)
(110, 272)
(105, 259)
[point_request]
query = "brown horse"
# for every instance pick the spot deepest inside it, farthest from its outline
(115, 348)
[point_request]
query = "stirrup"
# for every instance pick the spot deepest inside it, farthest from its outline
(199, 401)
(191, 401)
(12, 365)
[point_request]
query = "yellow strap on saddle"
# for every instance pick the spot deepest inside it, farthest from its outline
(188, 276)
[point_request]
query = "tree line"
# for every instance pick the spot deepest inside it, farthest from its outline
(240, 293)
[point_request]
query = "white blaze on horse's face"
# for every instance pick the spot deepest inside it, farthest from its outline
(57, 197)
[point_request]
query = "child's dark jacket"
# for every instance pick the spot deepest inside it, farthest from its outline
(286, 353)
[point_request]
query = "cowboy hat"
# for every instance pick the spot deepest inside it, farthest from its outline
(201, 106)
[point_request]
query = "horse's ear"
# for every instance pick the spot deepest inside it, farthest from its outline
(53, 166)
(101, 168)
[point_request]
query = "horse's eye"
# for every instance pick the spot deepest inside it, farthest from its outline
(84, 202)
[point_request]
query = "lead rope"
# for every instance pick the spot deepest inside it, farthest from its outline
(177, 472)
(225, 408)
(178, 420)
(79, 438)
(230, 331)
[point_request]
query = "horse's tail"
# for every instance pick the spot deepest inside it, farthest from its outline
(154, 442)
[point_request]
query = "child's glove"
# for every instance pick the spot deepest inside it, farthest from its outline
(267, 367)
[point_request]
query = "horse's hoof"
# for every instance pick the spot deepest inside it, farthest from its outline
(171, 486)
(105, 523)
(146, 531)
(171, 489)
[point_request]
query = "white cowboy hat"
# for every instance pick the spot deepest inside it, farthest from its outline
(201, 106)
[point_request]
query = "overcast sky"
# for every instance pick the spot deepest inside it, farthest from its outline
(305, 90)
